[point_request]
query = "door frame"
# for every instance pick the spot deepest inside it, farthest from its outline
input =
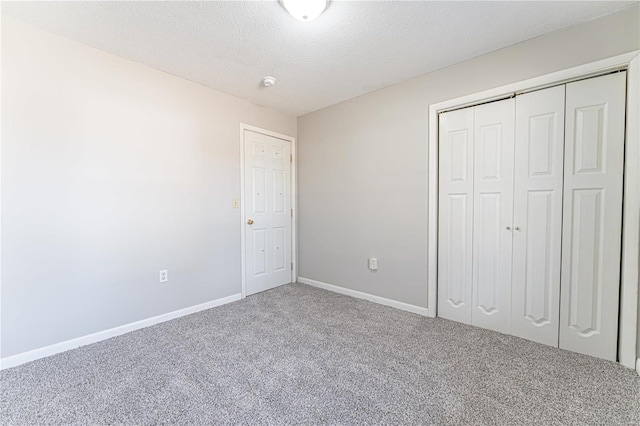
(294, 201)
(629, 287)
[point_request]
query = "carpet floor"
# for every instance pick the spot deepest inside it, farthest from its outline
(301, 355)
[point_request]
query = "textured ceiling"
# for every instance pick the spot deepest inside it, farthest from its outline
(351, 49)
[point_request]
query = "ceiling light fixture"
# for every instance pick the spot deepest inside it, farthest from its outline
(305, 10)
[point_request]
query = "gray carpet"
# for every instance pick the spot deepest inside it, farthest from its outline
(300, 355)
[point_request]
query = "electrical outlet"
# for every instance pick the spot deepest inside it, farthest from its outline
(163, 276)
(235, 203)
(373, 263)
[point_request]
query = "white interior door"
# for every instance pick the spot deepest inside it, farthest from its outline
(455, 214)
(493, 214)
(594, 155)
(267, 211)
(537, 217)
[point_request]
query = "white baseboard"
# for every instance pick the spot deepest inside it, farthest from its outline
(366, 296)
(14, 360)
(638, 366)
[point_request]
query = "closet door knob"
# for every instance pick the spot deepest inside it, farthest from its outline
(517, 228)
(250, 222)
(508, 228)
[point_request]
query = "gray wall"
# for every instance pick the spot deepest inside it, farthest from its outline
(112, 171)
(363, 162)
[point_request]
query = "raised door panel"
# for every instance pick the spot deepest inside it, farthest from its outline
(594, 157)
(258, 190)
(259, 244)
(538, 177)
(455, 215)
(279, 249)
(587, 261)
(493, 212)
(279, 191)
(487, 260)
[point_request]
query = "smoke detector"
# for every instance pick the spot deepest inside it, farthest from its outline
(269, 81)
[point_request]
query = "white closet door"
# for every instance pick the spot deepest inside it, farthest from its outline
(455, 227)
(595, 120)
(537, 216)
(267, 211)
(493, 214)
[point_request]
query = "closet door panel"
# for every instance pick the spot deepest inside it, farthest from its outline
(594, 156)
(493, 209)
(455, 201)
(539, 155)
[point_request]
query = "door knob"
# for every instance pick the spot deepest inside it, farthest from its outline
(517, 228)
(508, 228)
(250, 222)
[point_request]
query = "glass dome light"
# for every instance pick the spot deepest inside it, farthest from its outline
(305, 10)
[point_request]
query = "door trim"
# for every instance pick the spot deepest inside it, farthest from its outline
(294, 201)
(629, 288)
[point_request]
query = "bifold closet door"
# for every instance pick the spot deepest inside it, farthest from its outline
(455, 225)
(592, 230)
(537, 236)
(493, 214)
(475, 214)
